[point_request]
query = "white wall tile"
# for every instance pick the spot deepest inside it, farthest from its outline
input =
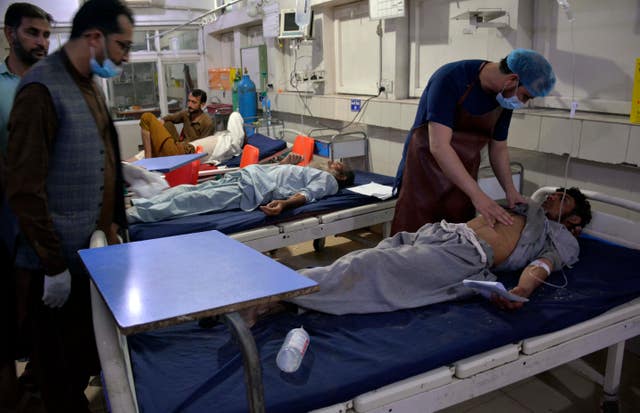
(343, 110)
(524, 131)
(604, 142)
(320, 107)
(560, 135)
(390, 116)
(407, 115)
(633, 153)
(395, 154)
(372, 113)
(377, 154)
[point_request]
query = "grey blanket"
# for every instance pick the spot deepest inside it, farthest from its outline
(404, 271)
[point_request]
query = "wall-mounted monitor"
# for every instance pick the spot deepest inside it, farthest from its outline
(290, 30)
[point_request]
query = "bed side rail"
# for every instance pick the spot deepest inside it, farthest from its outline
(604, 225)
(112, 349)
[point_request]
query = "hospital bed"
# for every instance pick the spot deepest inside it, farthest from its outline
(415, 360)
(269, 149)
(337, 214)
(332, 215)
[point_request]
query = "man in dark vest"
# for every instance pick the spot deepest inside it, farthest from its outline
(63, 182)
(465, 106)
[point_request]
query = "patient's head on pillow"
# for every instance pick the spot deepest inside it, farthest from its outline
(570, 207)
(343, 174)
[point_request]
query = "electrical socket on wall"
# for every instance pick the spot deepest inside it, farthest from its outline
(387, 85)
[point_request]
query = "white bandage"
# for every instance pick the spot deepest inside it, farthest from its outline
(541, 264)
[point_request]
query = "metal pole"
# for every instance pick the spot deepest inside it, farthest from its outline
(250, 361)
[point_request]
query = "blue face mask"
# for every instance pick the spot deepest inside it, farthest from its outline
(509, 103)
(107, 69)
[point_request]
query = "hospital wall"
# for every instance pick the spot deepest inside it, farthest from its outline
(593, 58)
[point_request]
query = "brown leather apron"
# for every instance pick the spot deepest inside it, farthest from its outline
(426, 194)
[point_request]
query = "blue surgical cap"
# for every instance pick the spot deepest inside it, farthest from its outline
(533, 70)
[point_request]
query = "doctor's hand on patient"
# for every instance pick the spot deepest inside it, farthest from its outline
(490, 210)
(514, 197)
(56, 289)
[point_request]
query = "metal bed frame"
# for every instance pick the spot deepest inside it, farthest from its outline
(465, 379)
(113, 349)
(471, 377)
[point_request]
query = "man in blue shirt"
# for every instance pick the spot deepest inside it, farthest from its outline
(27, 29)
(465, 106)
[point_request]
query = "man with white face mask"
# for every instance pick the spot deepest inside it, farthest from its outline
(63, 182)
(465, 106)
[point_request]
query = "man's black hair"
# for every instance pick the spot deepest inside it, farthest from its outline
(504, 67)
(199, 93)
(582, 208)
(100, 14)
(16, 11)
(348, 180)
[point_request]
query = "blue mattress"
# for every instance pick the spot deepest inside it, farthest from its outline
(189, 369)
(267, 146)
(229, 222)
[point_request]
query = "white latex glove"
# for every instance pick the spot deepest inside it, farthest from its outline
(56, 289)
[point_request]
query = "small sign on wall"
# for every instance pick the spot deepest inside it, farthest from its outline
(355, 105)
(635, 97)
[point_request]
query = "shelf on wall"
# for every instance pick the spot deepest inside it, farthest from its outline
(483, 18)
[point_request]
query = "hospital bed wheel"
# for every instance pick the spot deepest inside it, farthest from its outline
(318, 244)
(609, 406)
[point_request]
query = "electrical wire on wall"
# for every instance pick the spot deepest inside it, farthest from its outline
(293, 81)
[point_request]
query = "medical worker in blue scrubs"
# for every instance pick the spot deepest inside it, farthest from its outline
(465, 106)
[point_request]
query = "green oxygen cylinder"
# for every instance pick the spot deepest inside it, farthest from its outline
(234, 90)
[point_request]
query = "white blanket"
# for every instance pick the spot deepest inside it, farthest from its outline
(226, 144)
(143, 183)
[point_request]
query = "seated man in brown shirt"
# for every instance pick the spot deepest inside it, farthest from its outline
(160, 136)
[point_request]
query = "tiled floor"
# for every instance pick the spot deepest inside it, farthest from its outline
(557, 390)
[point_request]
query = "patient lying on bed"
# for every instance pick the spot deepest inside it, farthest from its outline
(273, 188)
(412, 270)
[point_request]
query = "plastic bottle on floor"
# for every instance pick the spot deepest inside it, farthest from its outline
(292, 351)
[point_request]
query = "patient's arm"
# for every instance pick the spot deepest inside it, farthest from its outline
(292, 158)
(530, 279)
(177, 117)
(146, 143)
(276, 207)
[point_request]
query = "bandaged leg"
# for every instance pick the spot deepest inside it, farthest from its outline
(405, 271)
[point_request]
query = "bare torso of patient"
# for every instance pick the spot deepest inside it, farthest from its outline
(502, 238)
